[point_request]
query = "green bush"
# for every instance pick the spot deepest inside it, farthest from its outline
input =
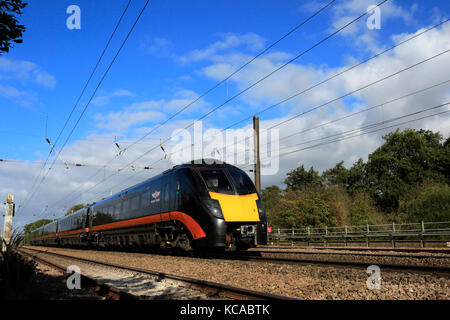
(314, 206)
(428, 202)
(363, 211)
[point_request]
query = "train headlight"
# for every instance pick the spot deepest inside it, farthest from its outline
(213, 207)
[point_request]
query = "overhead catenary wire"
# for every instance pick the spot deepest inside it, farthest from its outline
(359, 112)
(366, 127)
(236, 71)
(68, 164)
(344, 135)
(265, 77)
(101, 195)
(221, 82)
(361, 134)
(368, 109)
(346, 95)
(377, 81)
(97, 87)
(328, 79)
(158, 160)
(262, 79)
(79, 98)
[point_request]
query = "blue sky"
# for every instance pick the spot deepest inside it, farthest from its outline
(178, 50)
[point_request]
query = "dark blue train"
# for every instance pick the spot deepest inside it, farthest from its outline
(189, 207)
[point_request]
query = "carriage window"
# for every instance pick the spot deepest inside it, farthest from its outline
(126, 206)
(118, 208)
(166, 193)
(216, 181)
(145, 199)
(135, 203)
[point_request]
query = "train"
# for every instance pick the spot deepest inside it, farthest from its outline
(202, 205)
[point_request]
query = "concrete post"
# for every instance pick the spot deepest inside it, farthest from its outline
(7, 229)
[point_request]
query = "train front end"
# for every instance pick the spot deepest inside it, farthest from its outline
(238, 216)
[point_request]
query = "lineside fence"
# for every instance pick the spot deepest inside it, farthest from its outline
(421, 234)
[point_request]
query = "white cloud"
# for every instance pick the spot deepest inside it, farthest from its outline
(105, 99)
(21, 97)
(122, 120)
(229, 41)
(25, 71)
(296, 77)
(140, 117)
(361, 36)
(157, 46)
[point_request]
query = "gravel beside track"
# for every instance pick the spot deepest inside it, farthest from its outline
(400, 258)
(144, 286)
(301, 281)
(51, 285)
(442, 250)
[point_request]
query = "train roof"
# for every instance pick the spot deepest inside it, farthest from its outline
(209, 162)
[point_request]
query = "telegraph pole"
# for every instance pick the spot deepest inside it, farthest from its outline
(9, 213)
(257, 168)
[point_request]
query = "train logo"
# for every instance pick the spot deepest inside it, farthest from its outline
(155, 196)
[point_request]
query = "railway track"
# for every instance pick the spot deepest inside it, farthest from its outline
(410, 250)
(441, 270)
(363, 254)
(102, 289)
(219, 289)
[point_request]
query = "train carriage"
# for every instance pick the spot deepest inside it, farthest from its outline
(191, 206)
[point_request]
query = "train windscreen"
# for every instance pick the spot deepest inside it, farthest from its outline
(242, 182)
(216, 181)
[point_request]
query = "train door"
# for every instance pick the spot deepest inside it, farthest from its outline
(85, 221)
(177, 201)
(166, 194)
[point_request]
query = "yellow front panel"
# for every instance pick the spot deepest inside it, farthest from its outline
(238, 208)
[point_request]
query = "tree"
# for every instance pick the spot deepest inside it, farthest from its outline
(357, 178)
(311, 206)
(429, 202)
(406, 158)
(363, 211)
(299, 178)
(36, 224)
(75, 208)
(270, 197)
(33, 226)
(10, 29)
(336, 176)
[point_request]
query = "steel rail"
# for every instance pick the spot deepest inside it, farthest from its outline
(387, 266)
(364, 254)
(101, 288)
(201, 285)
(411, 250)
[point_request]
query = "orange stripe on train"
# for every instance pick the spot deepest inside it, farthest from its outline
(192, 225)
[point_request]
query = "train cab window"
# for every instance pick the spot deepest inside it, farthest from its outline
(216, 181)
(135, 203)
(241, 182)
